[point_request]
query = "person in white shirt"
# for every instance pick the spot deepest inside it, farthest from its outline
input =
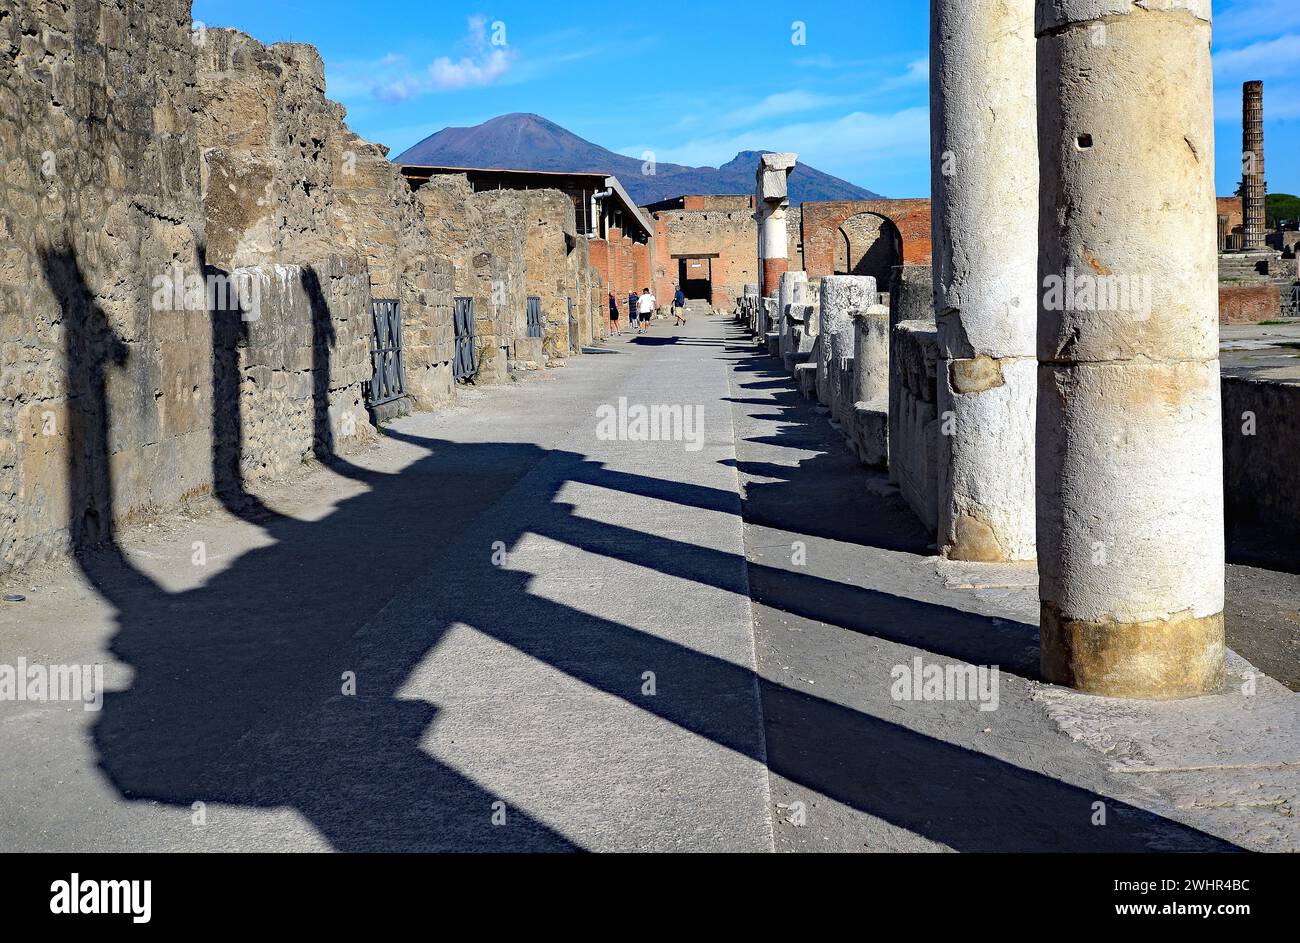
(645, 309)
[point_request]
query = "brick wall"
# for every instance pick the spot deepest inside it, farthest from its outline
(822, 221)
(1248, 303)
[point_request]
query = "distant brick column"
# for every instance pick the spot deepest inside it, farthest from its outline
(1130, 449)
(985, 237)
(773, 200)
(1252, 166)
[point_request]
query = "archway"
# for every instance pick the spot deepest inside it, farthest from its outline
(868, 244)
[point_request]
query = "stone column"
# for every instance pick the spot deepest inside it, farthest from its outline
(773, 200)
(985, 185)
(871, 354)
(840, 295)
(1130, 464)
(791, 290)
(1254, 220)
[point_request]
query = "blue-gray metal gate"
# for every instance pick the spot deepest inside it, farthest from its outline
(388, 380)
(463, 366)
(575, 339)
(534, 316)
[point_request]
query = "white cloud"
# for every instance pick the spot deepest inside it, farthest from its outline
(778, 105)
(393, 78)
(845, 146)
(1259, 60)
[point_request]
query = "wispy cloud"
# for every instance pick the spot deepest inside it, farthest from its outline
(852, 140)
(1271, 57)
(486, 60)
(779, 105)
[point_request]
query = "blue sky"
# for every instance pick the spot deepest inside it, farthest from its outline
(696, 82)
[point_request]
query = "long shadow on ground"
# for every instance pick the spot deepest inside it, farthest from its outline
(236, 684)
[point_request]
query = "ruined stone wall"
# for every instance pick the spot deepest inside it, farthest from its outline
(1261, 438)
(1249, 303)
(913, 417)
(285, 181)
(291, 379)
(551, 258)
(502, 247)
(460, 233)
(105, 385)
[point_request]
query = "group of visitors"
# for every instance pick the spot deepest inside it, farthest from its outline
(641, 308)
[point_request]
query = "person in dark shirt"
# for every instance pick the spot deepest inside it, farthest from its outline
(679, 306)
(613, 314)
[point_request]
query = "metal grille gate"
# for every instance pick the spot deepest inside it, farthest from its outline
(388, 381)
(534, 316)
(463, 366)
(575, 340)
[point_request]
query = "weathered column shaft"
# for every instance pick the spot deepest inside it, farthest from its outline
(791, 290)
(871, 354)
(985, 186)
(1130, 469)
(1253, 206)
(840, 295)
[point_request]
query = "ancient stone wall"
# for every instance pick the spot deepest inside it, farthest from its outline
(105, 385)
(290, 380)
(507, 245)
(1249, 303)
(724, 239)
(1261, 438)
(914, 417)
(284, 180)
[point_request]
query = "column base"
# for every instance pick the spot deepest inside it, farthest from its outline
(1159, 660)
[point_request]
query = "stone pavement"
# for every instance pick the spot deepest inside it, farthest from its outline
(562, 639)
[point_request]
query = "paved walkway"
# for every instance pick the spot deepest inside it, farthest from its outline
(562, 639)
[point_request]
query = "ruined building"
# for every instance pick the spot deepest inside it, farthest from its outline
(1258, 275)
(207, 278)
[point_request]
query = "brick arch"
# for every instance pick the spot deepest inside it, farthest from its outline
(822, 221)
(868, 244)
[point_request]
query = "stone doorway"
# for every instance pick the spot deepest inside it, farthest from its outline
(695, 275)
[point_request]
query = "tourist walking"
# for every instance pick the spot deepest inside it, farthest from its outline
(645, 307)
(613, 314)
(679, 307)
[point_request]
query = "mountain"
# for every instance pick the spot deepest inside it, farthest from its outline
(530, 142)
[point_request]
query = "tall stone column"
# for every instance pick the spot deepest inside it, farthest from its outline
(773, 200)
(985, 187)
(1254, 221)
(1130, 467)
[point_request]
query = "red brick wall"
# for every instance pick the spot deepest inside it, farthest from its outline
(641, 266)
(1249, 304)
(1230, 206)
(822, 221)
